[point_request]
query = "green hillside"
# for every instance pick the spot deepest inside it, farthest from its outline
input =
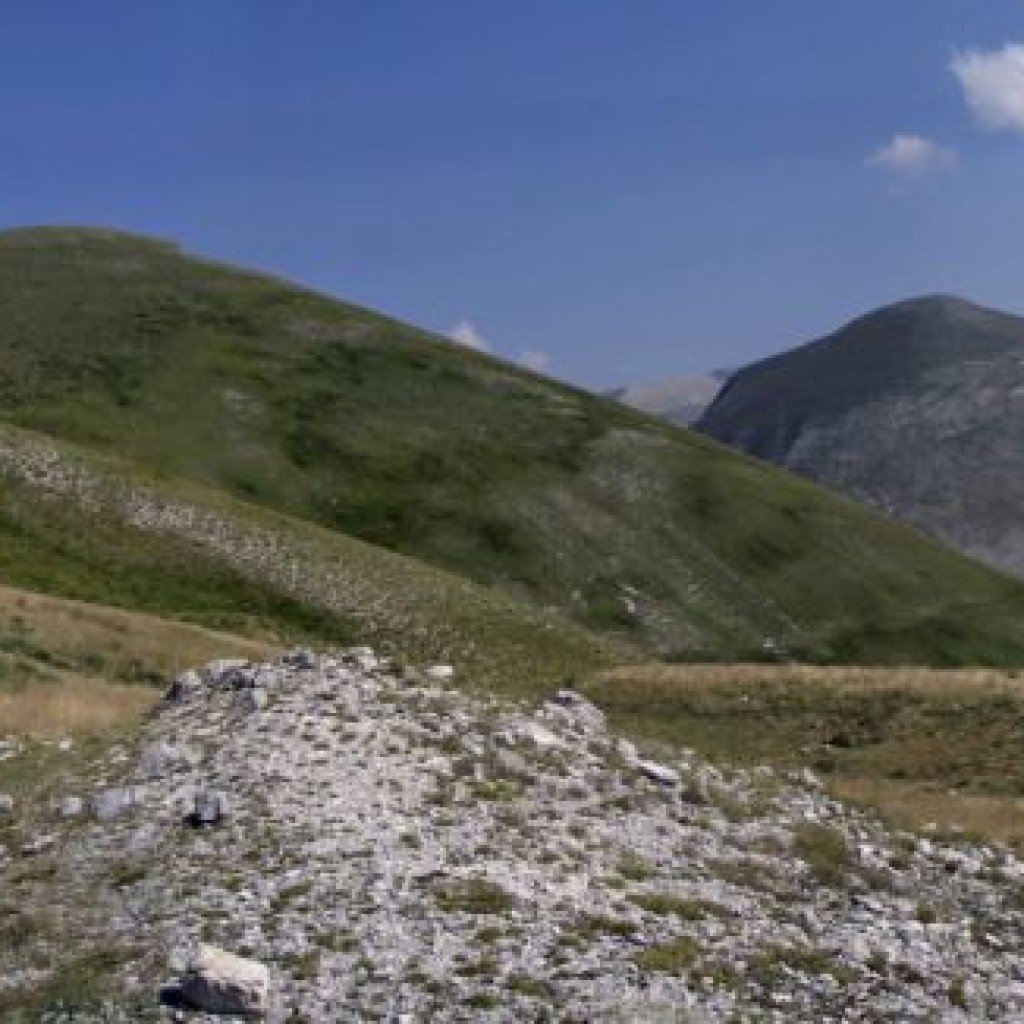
(318, 418)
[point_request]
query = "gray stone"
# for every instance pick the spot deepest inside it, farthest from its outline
(221, 982)
(6, 803)
(658, 772)
(70, 806)
(184, 687)
(575, 711)
(302, 659)
(39, 844)
(255, 699)
(210, 808)
(112, 803)
(226, 672)
(529, 731)
(163, 757)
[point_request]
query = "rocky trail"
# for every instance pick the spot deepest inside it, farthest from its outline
(377, 846)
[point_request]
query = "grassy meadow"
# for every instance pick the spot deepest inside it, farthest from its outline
(924, 746)
(71, 669)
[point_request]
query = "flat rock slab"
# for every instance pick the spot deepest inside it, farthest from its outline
(221, 982)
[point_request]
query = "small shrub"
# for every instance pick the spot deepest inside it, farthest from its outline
(957, 993)
(474, 896)
(825, 851)
(302, 965)
(127, 873)
(676, 906)
(594, 925)
(483, 1001)
(636, 869)
(526, 986)
(676, 957)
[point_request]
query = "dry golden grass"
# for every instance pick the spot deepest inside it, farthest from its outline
(69, 668)
(73, 707)
(661, 679)
(87, 633)
(908, 805)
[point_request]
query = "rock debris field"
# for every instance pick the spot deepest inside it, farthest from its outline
(337, 838)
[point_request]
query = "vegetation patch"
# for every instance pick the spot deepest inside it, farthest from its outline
(473, 896)
(921, 745)
(679, 956)
(685, 909)
(824, 849)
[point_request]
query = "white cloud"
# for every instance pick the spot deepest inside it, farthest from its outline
(913, 156)
(464, 333)
(534, 360)
(993, 85)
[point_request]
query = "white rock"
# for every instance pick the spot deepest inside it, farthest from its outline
(6, 803)
(70, 806)
(221, 982)
(627, 751)
(184, 687)
(440, 672)
(658, 772)
(38, 845)
(114, 802)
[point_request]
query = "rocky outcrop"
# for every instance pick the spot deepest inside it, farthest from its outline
(380, 847)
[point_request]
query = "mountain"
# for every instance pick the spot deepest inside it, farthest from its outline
(916, 409)
(682, 400)
(186, 438)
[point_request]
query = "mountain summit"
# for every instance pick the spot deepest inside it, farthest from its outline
(917, 409)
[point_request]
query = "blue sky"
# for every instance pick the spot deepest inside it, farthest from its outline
(617, 190)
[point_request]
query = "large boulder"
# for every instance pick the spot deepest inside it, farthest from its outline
(221, 982)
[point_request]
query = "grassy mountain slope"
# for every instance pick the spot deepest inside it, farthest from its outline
(915, 408)
(318, 421)
(95, 529)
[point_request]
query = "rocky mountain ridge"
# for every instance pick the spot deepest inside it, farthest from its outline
(391, 849)
(916, 409)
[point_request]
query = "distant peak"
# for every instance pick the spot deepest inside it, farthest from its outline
(935, 304)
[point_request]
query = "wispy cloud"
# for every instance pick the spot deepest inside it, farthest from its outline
(464, 333)
(534, 360)
(993, 85)
(913, 156)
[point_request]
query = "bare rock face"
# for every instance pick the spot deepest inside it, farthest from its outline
(221, 982)
(916, 409)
